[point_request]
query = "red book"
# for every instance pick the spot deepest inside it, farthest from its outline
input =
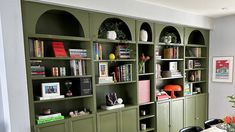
(58, 48)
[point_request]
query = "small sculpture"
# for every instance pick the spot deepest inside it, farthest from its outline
(68, 84)
(111, 99)
(80, 113)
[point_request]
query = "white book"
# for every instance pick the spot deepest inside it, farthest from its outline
(50, 97)
(73, 67)
(48, 116)
(80, 67)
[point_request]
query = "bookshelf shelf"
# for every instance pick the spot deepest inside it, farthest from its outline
(57, 37)
(196, 45)
(145, 43)
(147, 130)
(59, 77)
(180, 59)
(146, 117)
(196, 82)
(195, 57)
(194, 69)
(170, 44)
(116, 60)
(57, 58)
(148, 103)
(168, 78)
(62, 99)
(116, 83)
(115, 41)
(146, 74)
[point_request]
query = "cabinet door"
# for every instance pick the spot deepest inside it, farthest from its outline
(129, 120)
(57, 126)
(163, 116)
(177, 115)
(201, 109)
(108, 122)
(190, 111)
(84, 124)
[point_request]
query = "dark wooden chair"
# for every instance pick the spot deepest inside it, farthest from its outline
(210, 122)
(191, 129)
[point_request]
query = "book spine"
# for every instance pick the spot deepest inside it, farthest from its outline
(36, 43)
(100, 52)
(97, 51)
(42, 48)
(80, 67)
(73, 67)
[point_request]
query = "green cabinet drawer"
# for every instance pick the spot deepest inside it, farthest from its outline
(163, 116)
(177, 115)
(84, 124)
(108, 122)
(58, 126)
(129, 120)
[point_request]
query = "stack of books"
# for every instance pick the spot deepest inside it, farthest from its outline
(122, 52)
(197, 64)
(41, 119)
(37, 69)
(78, 53)
(171, 53)
(173, 68)
(108, 79)
(194, 52)
(78, 67)
(123, 73)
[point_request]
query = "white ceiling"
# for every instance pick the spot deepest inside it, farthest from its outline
(210, 8)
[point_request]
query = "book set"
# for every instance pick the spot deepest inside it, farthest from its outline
(194, 52)
(37, 69)
(36, 48)
(78, 67)
(122, 52)
(171, 53)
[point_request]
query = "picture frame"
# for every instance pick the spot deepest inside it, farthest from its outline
(50, 89)
(222, 69)
(103, 69)
(190, 64)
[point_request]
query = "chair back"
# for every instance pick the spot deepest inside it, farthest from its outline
(191, 129)
(210, 122)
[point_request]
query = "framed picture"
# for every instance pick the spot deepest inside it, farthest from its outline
(103, 69)
(222, 69)
(190, 64)
(50, 89)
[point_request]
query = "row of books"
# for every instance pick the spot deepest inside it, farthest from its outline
(78, 53)
(171, 53)
(194, 52)
(194, 64)
(37, 69)
(123, 73)
(36, 48)
(41, 119)
(78, 67)
(122, 52)
(98, 51)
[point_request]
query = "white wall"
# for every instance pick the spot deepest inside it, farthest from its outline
(137, 9)
(222, 44)
(12, 69)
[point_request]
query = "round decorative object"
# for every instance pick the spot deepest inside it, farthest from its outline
(143, 35)
(111, 56)
(119, 100)
(112, 35)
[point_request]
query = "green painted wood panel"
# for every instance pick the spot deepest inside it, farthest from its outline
(85, 125)
(129, 120)
(190, 111)
(58, 126)
(163, 116)
(177, 115)
(201, 109)
(108, 122)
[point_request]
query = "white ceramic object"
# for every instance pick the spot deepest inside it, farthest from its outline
(143, 35)
(112, 35)
(119, 100)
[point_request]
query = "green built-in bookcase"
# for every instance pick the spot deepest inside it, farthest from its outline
(85, 30)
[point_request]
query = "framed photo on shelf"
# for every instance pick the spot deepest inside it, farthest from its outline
(103, 69)
(222, 69)
(50, 89)
(190, 64)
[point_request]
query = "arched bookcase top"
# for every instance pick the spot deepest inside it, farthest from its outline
(196, 37)
(58, 22)
(145, 26)
(117, 25)
(170, 31)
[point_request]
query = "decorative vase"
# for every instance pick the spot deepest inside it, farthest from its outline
(143, 35)
(142, 67)
(112, 35)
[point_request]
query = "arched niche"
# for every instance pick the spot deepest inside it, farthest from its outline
(170, 31)
(116, 24)
(57, 22)
(147, 28)
(196, 37)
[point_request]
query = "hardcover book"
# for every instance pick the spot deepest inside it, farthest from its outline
(58, 48)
